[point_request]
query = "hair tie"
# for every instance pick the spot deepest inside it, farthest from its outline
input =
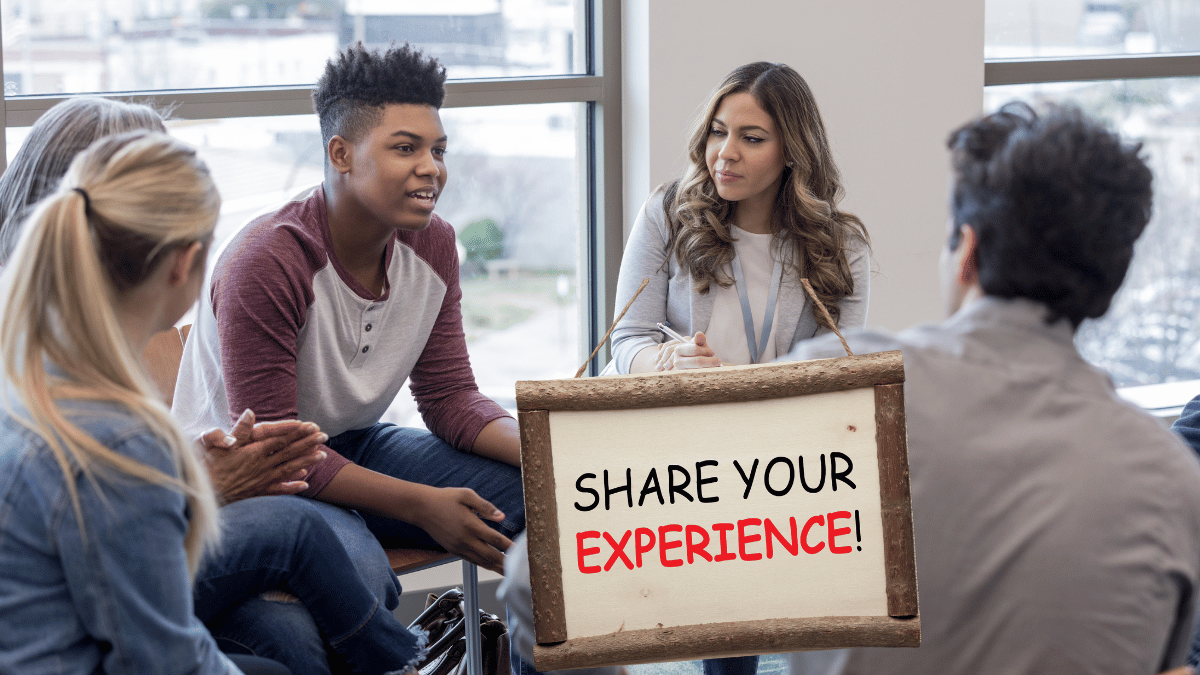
(87, 203)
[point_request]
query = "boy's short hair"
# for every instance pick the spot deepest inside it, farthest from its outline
(1056, 201)
(358, 82)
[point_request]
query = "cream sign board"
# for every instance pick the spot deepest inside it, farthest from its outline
(719, 512)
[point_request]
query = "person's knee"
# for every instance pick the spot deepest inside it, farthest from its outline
(282, 631)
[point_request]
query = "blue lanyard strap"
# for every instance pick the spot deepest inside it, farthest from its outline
(756, 348)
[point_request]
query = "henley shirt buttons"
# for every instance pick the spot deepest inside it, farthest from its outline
(366, 349)
(368, 328)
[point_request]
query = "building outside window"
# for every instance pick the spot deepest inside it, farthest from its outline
(1133, 64)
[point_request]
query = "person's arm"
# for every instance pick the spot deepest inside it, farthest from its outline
(500, 440)
(442, 381)
(636, 340)
(260, 293)
(854, 306)
(450, 515)
(128, 574)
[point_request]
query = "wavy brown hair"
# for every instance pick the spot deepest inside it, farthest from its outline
(806, 209)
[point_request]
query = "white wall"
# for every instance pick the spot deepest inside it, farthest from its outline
(891, 78)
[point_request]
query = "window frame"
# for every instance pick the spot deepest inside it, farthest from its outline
(1035, 70)
(598, 139)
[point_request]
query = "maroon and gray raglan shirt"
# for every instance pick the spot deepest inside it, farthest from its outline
(284, 330)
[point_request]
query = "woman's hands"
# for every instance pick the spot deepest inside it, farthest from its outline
(676, 355)
(452, 517)
(270, 458)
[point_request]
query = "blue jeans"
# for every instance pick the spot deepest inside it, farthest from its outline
(301, 546)
(420, 457)
(734, 665)
(253, 665)
(1194, 655)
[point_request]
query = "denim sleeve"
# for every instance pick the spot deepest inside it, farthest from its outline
(1188, 424)
(127, 571)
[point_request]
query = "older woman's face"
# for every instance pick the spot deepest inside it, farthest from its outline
(745, 150)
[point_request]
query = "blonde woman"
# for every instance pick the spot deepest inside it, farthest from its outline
(267, 542)
(106, 510)
(725, 246)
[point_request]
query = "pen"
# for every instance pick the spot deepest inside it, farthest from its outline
(672, 334)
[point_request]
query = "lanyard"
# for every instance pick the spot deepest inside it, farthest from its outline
(757, 348)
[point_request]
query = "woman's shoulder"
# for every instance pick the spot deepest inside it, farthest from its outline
(654, 210)
(112, 425)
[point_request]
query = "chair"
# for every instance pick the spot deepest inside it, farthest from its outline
(162, 356)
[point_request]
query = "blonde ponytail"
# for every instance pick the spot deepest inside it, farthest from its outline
(123, 204)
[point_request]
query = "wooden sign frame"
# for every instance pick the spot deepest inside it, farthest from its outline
(884, 372)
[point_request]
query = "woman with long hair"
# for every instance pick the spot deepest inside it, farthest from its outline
(108, 510)
(726, 246)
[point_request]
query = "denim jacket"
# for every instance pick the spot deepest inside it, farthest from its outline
(114, 598)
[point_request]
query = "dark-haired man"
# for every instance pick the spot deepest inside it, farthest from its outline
(1057, 528)
(322, 309)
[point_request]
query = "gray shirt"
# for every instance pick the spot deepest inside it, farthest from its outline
(1057, 527)
(669, 296)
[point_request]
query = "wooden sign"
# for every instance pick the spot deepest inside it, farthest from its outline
(719, 512)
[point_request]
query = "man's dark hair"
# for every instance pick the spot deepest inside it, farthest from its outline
(1056, 201)
(350, 96)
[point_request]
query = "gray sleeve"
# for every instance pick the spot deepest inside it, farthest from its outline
(645, 257)
(854, 306)
(828, 346)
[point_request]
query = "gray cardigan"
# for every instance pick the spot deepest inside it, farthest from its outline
(669, 296)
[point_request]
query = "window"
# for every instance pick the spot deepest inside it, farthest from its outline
(532, 112)
(75, 46)
(1125, 62)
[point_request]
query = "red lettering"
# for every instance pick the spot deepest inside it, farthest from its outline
(618, 550)
(694, 549)
(744, 539)
(815, 520)
(725, 553)
(585, 551)
(638, 547)
(664, 545)
(835, 532)
(794, 549)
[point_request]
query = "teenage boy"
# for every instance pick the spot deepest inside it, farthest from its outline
(322, 309)
(1057, 528)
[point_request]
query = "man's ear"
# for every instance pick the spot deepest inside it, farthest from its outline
(340, 153)
(966, 256)
(184, 261)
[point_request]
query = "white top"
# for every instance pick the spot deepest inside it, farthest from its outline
(727, 330)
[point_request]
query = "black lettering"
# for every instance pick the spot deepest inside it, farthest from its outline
(840, 475)
(804, 483)
(672, 487)
(791, 476)
(701, 481)
(595, 495)
(748, 481)
(608, 492)
(646, 489)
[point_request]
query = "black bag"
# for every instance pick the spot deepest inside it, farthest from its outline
(443, 621)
